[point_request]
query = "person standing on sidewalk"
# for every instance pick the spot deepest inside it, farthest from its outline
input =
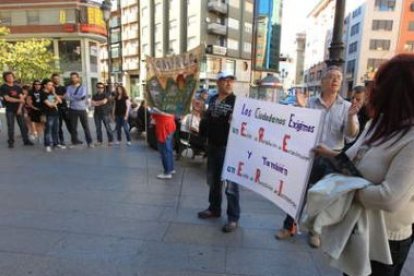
(215, 126)
(102, 113)
(36, 112)
(78, 110)
(50, 101)
(164, 131)
(340, 122)
(13, 99)
(60, 90)
(121, 113)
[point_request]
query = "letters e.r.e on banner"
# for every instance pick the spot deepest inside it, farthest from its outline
(172, 81)
(269, 150)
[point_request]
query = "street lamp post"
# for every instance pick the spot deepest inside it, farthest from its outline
(336, 49)
(106, 10)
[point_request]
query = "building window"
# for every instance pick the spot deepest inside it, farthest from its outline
(158, 32)
(70, 55)
(158, 9)
(213, 65)
(374, 63)
(350, 67)
(192, 42)
(355, 29)
(231, 66)
(383, 25)
(145, 49)
(5, 18)
(356, 12)
(144, 11)
(247, 47)
(411, 26)
(353, 47)
(232, 44)
(32, 17)
(379, 44)
(409, 46)
(233, 23)
(93, 56)
(384, 5)
(192, 19)
(248, 27)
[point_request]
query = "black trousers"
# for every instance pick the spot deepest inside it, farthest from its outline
(11, 117)
(399, 252)
(63, 117)
(81, 115)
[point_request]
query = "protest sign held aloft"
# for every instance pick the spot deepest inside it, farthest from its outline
(172, 81)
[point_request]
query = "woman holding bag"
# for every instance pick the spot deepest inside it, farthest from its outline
(384, 154)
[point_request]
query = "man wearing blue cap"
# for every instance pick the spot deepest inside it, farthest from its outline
(215, 126)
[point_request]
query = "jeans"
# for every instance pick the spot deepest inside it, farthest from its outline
(82, 115)
(63, 117)
(122, 123)
(11, 117)
(52, 130)
(167, 156)
(215, 162)
(100, 118)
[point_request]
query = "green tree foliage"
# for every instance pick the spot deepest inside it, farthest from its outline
(28, 59)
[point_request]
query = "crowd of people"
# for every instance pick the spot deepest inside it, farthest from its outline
(46, 107)
(374, 130)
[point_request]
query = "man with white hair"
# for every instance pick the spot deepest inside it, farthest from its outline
(340, 123)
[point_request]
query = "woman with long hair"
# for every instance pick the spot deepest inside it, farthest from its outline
(384, 155)
(35, 105)
(121, 112)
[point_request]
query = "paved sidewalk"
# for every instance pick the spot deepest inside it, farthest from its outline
(101, 211)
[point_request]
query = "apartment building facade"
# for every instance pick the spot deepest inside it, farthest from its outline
(223, 28)
(374, 33)
(318, 38)
(75, 27)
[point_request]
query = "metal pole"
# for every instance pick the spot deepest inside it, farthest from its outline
(108, 44)
(336, 50)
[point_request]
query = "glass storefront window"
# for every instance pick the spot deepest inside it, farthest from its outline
(70, 55)
(93, 56)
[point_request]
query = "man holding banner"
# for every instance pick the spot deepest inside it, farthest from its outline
(340, 123)
(215, 126)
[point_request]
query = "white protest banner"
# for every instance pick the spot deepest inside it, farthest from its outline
(269, 150)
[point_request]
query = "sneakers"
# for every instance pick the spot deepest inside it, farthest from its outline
(314, 240)
(98, 144)
(164, 176)
(91, 145)
(28, 143)
(129, 143)
(207, 214)
(173, 172)
(284, 234)
(110, 144)
(59, 146)
(48, 149)
(229, 227)
(117, 143)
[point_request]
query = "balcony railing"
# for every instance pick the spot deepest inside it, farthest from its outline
(217, 28)
(216, 50)
(217, 6)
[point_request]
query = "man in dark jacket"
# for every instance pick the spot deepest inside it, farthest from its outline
(215, 126)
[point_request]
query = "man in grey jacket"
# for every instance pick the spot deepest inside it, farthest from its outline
(77, 95)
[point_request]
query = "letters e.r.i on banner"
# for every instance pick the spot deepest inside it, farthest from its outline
(269, 150)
